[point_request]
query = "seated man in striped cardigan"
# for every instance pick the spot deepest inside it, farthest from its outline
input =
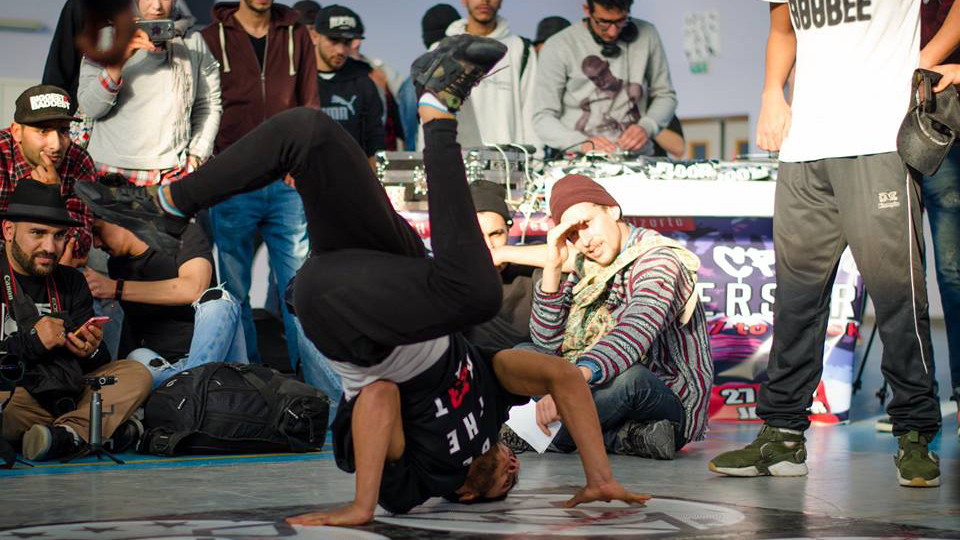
(629, 318)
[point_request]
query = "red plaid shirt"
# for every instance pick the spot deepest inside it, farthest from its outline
(77, 166)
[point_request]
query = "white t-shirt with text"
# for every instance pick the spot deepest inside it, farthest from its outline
(855, 59)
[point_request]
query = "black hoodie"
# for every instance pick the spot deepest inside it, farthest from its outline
(351, 98)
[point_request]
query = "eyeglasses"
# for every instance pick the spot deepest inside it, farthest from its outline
(605, 24)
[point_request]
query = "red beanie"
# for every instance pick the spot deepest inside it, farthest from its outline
(575, 189)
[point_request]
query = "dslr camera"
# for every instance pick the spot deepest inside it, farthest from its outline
(158, 30)
(11, 371)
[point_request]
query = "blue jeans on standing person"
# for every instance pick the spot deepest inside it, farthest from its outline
(277, 211)
(317, 371)
(941, 197)
(217, 337)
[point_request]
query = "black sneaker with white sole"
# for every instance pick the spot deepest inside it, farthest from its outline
(656, 440)
(455, 66)
(43, 443)
(136, 208)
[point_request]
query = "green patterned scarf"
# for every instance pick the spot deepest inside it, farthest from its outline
(589, 319)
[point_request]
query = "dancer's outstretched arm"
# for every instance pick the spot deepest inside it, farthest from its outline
(527, 373)
(377, 439)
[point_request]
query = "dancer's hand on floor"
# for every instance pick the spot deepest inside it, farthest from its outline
(610, 491)
(345, 515)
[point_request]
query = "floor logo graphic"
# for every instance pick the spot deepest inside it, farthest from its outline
(185, 530)
(539, 515)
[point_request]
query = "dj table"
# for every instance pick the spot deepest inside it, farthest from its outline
(723, 213)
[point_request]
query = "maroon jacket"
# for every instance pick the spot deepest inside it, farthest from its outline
(249, 95)
(932, 16)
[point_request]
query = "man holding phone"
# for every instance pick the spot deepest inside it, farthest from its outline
(46, 313)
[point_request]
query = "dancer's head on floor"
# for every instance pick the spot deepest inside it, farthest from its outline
(491, 476)
(597, 229)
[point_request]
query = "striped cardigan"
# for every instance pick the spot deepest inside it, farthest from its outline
(646, 299)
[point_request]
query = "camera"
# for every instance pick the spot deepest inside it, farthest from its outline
(11, 371)
(158, 30)
(97, 382)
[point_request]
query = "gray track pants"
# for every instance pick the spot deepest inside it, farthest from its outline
(873, 204)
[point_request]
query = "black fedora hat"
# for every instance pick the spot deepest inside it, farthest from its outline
(37, 202)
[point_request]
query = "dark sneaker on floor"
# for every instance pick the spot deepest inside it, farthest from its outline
(43, 443)
(774, 452)
(884, 425)
(135, 208)
(917, 466)
(127, 437)
(457, 64)
(513, 441)
(656, 440)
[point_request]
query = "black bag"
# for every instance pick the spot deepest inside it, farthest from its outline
(931, 125)
(234, 408)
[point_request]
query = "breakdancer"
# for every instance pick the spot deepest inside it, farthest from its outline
(422, 406)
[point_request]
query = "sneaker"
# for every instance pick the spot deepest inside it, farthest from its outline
(916, 465)
(513, 441)
(457, 64)
(43, 443)
(656, 440)
(775, 452)
(135, 208)
(126, 437)
(884, 425)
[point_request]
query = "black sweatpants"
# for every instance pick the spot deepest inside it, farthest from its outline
(369, 285)
(873, 204)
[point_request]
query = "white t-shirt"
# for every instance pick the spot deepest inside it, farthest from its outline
(855, 59)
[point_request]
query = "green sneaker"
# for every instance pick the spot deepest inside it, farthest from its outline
(774, 452)
(916, 465)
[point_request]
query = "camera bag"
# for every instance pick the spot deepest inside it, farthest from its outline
(231, 408)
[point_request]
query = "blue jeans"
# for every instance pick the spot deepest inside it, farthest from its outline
(277, 211)
(941, 197)
(635, 394)
(217, 337)
(108, 307)
(317, 371)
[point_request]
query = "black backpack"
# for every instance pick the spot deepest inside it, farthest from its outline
(234, 408)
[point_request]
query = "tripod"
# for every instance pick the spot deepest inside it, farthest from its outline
(95, 446)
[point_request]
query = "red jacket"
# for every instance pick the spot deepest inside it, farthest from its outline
(250, 96)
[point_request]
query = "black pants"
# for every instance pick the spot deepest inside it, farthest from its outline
(369, 285)
(873, 204)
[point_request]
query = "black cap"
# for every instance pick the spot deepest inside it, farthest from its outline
(435, 22)
(37, 202)
(308, 11)
(43, 103)
(548, 27)
(490, 197)
(339, 22)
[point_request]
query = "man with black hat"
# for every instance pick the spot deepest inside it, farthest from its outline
(511, 326)
(347, 94)
(547, 27)
(46, 312)
(308, 10)
(37, 145)
(433, 26)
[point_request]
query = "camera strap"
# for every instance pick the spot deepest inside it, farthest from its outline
(22, 308)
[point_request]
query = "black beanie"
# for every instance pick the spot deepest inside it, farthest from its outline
(435, 22)
(490, 197)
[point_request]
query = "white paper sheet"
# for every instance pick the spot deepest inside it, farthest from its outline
(523, 422)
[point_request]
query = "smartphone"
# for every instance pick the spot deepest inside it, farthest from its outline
(98, 321)
(158, 30)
